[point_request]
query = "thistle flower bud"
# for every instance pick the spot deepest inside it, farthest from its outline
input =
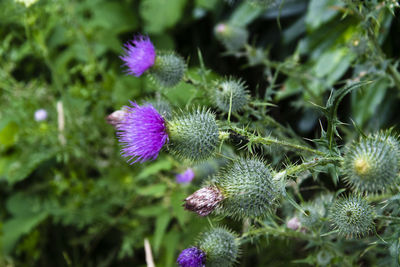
(231, 36)
(191, 257)
(293, 223)
(244, 189)
(168, 69)
(248, 189)
(232, 94)
(194, 135)
(220, 246)
(372, 164)
(115, 118)
(315, 211)
(204, 200)
(352, 216)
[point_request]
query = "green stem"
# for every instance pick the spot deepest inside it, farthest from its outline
(278, 231)
(388, 218)
(269, 140)
(310, 165)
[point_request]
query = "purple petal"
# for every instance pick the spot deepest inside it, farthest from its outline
(142, 133)
(185, 177)
(139, 56)
(191, 257)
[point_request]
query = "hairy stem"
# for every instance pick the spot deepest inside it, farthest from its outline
(252, 138)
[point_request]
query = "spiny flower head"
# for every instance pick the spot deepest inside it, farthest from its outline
(248, 189)
(220, 246)
(142, 133)
(193, 134)
(185, 177)
(231, 94)
(372, 164)
(191, 257)
(168, 69)
(139, 56)
(352, 216)
(231, 36)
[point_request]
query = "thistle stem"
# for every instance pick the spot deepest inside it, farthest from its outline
(388, 218)
(275, 231)
(269, 140)
(310, 165)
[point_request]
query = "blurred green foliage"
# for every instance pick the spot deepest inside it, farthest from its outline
(69, 198)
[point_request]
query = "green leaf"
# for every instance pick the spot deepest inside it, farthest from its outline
(161, 226)
(177, 198)
(26, 163)
(8, 133)
(160, 15)
(156, 190)
(154, 168)
(27, 213)
(321, 11)
(245, 14)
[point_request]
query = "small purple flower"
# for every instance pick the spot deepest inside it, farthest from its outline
(40, 115)
(142, 132)
(191, 257)
(139, 56)
(293, 224)
(185, 177)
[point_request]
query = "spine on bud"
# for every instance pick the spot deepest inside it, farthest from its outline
(352, 216)
(372, 164)
(168, 69)
(193, 136)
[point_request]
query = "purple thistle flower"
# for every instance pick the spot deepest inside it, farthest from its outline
(139, 56)
(142, 132)
(191, 257)
(185, 177)
(40, 115)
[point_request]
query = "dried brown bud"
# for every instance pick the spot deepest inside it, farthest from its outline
(204, 200)
(115, 118)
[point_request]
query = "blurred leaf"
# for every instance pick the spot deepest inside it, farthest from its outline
(321, 11)
(156, 190)
(8, 133)
(27, 214)
(156, 167)
(160, 15)
(162, 221)
(177, 198)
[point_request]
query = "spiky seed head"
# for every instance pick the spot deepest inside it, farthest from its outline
(193, 135)
(352, 216)
(168, 69)
(248, 189)
(231, 36)
(231, 91)
(315, 211)
(372, 164)
(204, 200)
(221, 247)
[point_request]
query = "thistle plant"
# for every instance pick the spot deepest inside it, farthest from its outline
(270, 127)
(249, 188)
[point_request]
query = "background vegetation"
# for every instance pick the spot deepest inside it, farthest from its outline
(67, 196)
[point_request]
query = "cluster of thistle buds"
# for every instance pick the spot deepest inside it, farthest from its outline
(247, 187)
